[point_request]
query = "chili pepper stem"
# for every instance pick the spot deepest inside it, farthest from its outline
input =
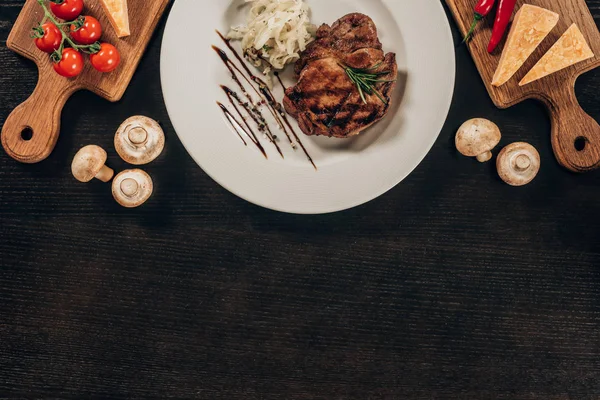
(482, 9)
(476, 20)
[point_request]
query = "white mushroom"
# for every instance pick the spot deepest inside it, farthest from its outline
(518, 164)
(131, 188)
(139, 140)
(89, 164)
(477, 137)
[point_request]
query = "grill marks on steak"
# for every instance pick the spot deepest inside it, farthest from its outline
(325, 101)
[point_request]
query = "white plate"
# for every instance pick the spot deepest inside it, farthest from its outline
(350, 171)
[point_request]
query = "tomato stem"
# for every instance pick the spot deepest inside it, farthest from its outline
(78, 23)
(56, 56)
(89, 49)
(38, 32)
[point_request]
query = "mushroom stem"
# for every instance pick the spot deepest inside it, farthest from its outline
(485, 157)
(139, 140)
(132, 187)
(477, 138)
(138, 135)
(129, 187)
(105, 174)
(90, 163)
(522, 162)
(518, 164)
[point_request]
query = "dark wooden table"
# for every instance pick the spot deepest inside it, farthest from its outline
(453, 285)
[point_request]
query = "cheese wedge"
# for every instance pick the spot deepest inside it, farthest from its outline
(531, 25)
(118, 14)
(570, 49)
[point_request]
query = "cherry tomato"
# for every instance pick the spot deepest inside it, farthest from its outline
(89, 33)
(67, 9)
(51, 39)
(71, 63)
(107, 59)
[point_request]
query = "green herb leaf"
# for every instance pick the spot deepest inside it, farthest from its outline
(366, 81)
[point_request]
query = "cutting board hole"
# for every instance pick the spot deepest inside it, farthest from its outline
(27, 134)
(580, 143)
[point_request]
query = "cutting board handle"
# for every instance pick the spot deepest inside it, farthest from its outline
(575, 135)
(30, 132)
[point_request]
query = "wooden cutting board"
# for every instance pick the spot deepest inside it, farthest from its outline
(30, 132)
(575, 135)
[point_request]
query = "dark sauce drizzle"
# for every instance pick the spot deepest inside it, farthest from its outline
(248, 72)
(266, 96)
(235, 53)
(280, 81)
(232, 119)
(251, 107)
(279, 108)
(262, 124)
(233, 68)
(237, 126)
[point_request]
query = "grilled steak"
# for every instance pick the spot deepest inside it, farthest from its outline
(325, 101)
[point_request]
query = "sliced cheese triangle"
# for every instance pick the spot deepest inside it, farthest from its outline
(531, 25)
(118, 14)
(570, 49)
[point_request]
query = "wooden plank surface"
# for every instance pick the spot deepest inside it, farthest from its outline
(143, 17)
(570, 11)
(40, 114)
(451, 286)
(575, 135)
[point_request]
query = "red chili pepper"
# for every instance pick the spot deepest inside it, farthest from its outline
(482, 9)
(505, 11)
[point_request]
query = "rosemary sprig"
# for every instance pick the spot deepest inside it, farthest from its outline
(366, 80)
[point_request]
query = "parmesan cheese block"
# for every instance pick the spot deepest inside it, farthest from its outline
(531, 25)
(570, 49)
(118, 14)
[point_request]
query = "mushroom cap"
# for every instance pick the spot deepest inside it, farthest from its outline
(477, 136)
(88, 161)
(518, 163)
(139, 140)
(131, 188)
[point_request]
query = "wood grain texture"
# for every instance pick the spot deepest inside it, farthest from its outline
(451, 286)
(41, 112)
(569, 122)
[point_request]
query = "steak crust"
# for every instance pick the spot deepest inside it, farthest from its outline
(325, 101)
